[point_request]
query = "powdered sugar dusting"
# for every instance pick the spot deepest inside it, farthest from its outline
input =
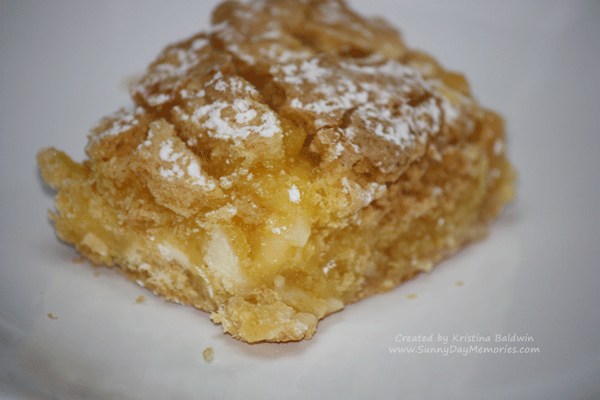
(339, 148)
(166, 152)
(401, 125)
(294, 194)
(245, 118)
(450, 112)
(119, 122)
(179, 165)
(175, 62)
(307, 71)
(175, 160)
(373, 94)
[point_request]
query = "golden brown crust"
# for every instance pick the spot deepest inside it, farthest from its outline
(296, 158)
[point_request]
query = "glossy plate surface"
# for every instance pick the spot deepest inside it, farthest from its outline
(64, 65)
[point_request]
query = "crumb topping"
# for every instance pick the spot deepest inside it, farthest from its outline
(357, 99)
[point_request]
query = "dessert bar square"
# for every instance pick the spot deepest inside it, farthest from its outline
(295, 158)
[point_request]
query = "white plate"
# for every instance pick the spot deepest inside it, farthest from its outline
(64, 65)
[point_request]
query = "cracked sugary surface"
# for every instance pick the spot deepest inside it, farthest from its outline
(294, 159)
